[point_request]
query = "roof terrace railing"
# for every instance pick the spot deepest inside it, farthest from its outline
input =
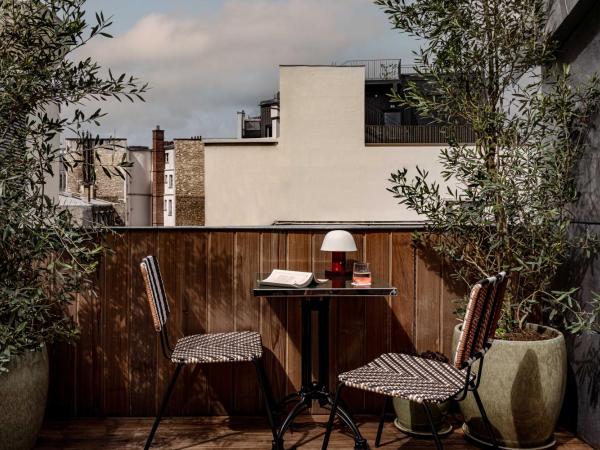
(381, 69)
(417, 134)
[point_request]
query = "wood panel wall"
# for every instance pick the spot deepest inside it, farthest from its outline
(117, 368)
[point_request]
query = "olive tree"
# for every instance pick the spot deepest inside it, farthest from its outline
(46, 260)
(505, 200)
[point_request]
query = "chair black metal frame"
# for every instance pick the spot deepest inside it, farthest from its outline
(168, 350)
(493, 295)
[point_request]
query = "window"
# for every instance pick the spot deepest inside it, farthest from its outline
(62, 177)
(167, 158)
(170, 181)
(392, 118)
(165, 179)
(170, 208)
(165, 208)
(62, 182)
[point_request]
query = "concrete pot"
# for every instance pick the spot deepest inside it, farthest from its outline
(411, 418)
(23, 393)
(522, 389)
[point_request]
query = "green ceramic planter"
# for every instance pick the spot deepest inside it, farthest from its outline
(23, 394)
(522, 389)
(411, 418)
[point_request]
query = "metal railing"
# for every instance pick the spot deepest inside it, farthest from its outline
(381, 69)
(417, 134)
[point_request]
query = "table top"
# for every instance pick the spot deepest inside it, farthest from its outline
(341, 288)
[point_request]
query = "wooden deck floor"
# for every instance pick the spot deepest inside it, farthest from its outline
(238, 433)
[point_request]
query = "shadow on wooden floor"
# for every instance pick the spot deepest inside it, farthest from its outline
(249, 433)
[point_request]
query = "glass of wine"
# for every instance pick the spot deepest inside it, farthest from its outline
(361, 275)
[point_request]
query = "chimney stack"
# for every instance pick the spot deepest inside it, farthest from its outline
(158, 177)
(241, 116)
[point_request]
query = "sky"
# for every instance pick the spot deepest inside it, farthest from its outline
(206, 59)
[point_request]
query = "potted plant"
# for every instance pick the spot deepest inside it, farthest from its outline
(411, 417)
(502, 202)
(45, 258)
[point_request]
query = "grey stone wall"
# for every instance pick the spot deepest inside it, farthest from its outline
(578, 28)
(581, 49)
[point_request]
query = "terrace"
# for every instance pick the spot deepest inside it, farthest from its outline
(248, 433)
(106, 389)
(388, 123)
(389, 350)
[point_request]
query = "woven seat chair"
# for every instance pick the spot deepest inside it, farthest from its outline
(200, 348)
(426, 381)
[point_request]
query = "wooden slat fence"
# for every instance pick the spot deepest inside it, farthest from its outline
(117, 368)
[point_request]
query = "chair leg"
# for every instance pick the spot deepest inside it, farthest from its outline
(486, 421)
(332, 416)
(163, 406)
(386, 404)
(436, 437)
(268, 396)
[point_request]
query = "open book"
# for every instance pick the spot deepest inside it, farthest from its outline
(290, 278)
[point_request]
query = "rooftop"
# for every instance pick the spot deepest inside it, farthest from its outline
(73, 200)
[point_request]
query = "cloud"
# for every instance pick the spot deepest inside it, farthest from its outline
(203, 68)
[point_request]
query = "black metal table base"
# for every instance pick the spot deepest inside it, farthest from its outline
(315, 390)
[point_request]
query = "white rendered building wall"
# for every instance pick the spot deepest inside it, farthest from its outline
(139, 189)
(320, 169)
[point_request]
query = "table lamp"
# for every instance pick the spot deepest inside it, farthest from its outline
(338, 242)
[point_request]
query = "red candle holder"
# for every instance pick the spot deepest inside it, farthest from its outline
(338, 262)
(338, 242)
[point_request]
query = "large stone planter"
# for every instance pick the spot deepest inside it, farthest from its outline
(522, 389)
(23, 393)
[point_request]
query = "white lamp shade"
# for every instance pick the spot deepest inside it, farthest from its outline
(338, 241)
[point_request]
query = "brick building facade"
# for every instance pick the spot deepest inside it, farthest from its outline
(165, 186)
(177, 181)
(112, 189)
(110, 154)
(189, 181)
(158, 173)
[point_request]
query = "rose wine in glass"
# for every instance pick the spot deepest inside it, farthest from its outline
(361, 275)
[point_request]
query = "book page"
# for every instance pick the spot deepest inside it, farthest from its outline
(288, 277)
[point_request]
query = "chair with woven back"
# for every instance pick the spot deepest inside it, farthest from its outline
(426, 381)
(229, 347)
